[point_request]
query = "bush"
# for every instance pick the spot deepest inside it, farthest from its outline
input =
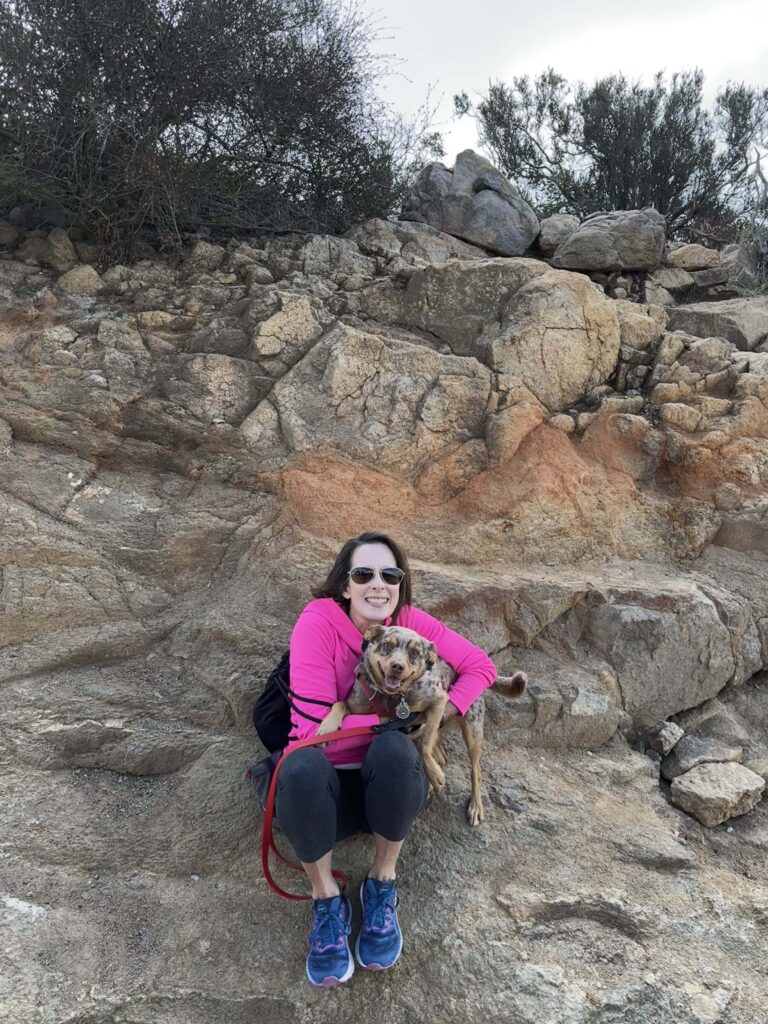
(152, 118)
(618, 145)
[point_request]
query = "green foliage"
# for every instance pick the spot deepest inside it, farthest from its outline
(150, 118)
(613, 145)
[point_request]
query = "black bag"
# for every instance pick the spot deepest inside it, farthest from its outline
(272, 710)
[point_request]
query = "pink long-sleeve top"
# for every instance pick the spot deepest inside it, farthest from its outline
(326, 648)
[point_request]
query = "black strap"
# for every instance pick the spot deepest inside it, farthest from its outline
(291, 696)
(396, 723)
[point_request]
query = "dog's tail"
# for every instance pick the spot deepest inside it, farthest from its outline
(511, 686)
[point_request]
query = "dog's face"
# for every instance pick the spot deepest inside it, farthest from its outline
(396, 657)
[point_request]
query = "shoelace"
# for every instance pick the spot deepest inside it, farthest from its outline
(328, 929)
(380, 906)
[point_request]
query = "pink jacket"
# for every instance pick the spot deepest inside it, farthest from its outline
(326, 649)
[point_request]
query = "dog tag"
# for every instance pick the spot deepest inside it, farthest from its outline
(402, 710)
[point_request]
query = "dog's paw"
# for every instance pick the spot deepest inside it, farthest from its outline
(436, 776)
(475, 812)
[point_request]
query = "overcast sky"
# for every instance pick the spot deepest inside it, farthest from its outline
(461, 46)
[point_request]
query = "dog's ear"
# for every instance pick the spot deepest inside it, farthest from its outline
(430, 654)
(371, 634)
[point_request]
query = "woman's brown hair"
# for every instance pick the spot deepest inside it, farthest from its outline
(337, 579)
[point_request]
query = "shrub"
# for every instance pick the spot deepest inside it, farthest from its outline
(619, 145)
(152, 118)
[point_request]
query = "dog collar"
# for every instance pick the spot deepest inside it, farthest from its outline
(402, 711)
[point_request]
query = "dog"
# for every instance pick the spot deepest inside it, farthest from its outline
(400, 672)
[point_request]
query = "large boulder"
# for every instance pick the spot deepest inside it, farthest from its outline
(554, 331)
(620, 240)
(474, 202)
(744, 322)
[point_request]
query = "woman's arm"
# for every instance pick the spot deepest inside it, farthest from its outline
(313, 674)
(475, 670)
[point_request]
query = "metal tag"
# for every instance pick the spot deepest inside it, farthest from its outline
(402, 710)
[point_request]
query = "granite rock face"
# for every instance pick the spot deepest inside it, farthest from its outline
(182, 454)
(553, 331)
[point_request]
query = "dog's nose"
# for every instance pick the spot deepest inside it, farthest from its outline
(396, 668)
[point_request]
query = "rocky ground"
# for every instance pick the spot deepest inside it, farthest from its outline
(580, 474)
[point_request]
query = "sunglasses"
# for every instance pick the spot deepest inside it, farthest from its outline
(392, 577)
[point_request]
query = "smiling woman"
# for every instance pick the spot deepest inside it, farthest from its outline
(367, 784)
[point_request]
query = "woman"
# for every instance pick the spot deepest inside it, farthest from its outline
(373, 784)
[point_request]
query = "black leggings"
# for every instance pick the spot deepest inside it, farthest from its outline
(318, 804)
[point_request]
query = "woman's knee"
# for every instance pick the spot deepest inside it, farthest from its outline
(307, 771)
(392, 754)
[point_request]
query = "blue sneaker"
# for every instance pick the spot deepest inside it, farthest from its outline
(380, 941)
(330, 961)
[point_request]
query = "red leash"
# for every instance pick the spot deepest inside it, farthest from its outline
(267, 839)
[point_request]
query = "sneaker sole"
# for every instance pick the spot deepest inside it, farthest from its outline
(375, 966)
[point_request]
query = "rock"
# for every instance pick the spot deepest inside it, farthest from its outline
(671, 280)
(155, 553)
(473, 202)
(656, 851)
(204, 257)
(708, 278)
(290, 331)
(743, 322)
(674, 632)
(718, 721)
(411, 241)
(637, 328)
(656, 294)
(682, 417)
(555, 230)
(217, 387)
(492, 310)
(9, 235)
(693, 257)
(81, 280)
(120, 335)
(663, 736)
(87, 252)
(61, 253)
(623, 240)
(713, 793)
(691, 751)
(397, 405)
(34, 249)
(563, 422)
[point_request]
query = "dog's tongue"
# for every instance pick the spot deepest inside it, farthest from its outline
(391, 682)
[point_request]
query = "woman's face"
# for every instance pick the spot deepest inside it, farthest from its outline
(372, 602)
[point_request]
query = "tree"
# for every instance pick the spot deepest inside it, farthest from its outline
(620, 145)
(149, 118)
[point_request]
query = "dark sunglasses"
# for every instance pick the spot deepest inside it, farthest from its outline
(363, 574)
